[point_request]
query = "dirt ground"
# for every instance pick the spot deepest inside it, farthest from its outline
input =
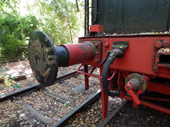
(139, 117)
(14, 114)
(53, 108)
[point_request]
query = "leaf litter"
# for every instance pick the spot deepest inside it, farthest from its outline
(15, 114)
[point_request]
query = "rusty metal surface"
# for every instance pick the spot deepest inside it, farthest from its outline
(45, 59)
(42, 58)
(140, 78)
(140, 56)
(62, 56)
(78, 109)
(81, 52)
(131, 16)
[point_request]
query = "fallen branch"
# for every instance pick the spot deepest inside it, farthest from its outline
(37, 115)
(61, 99)
(53, 96)
(66, 99)
(18, 78)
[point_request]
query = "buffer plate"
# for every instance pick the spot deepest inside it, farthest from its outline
(42, 57)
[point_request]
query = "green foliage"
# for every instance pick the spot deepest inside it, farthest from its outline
(14, 30)
(7, 6)
(16, 86)
(58, 18)
(66, 104)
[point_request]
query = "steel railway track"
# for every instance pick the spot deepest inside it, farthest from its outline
(36, 87)
(82, 107)
(88, 105)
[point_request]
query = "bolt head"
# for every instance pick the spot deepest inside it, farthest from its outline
(158, 44)
(96, 60)
(96, 45)
(129, 77)
(106, 44)
(141, 81)
(155, 68)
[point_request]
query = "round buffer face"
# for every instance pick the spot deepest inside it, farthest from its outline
(42, 57)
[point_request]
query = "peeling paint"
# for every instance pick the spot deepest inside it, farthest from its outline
(165, 49)
(42, 58)
(46, 74)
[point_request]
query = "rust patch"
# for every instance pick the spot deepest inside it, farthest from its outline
(40, 60)
(46, 73)
(86, 50)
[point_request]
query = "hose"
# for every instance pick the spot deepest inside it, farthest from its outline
(109, 61)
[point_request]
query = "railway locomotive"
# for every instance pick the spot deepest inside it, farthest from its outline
(128, 41)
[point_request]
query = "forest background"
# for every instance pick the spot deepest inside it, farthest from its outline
(61, 20)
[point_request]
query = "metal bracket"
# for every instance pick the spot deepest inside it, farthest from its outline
(98, 47)
(120, 45)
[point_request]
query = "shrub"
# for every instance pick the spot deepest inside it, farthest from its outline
(14, 30)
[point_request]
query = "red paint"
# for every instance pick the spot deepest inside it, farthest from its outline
(96, 45)
(88, 74)
(160, 88)
(150, 105)
(142, 56)
(128, 88)
(109, 79)
(81, 52)
(139, 57)
(96, 29)
(158, 44)
(86, 77)
(104, 99)
(155, 68)
(106, 44)
(155, 99)
(160, 54)
(113, 83)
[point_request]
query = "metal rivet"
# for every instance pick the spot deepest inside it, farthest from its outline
(106, 44)
(129, 77)
(96, 45)
(158, 44)
(141, 81)
(155, 68)
(96, 60)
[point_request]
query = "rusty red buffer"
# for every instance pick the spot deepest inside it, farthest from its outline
(131, 66)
